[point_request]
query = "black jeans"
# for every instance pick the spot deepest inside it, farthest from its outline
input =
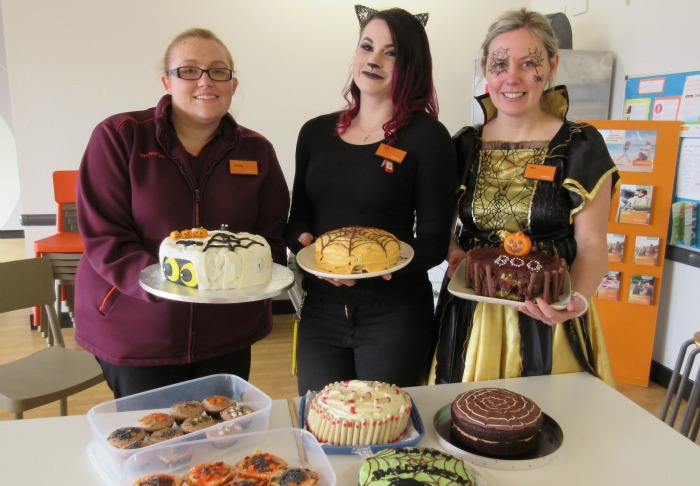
(384, 341)
(129, 380)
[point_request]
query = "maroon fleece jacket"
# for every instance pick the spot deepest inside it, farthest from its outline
(135, 187)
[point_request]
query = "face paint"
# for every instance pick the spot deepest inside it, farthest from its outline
(537, 61)
(499, 62)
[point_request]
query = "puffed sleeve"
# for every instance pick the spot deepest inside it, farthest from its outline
(588, 164)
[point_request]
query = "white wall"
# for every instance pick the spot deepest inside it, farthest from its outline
(74, 62)
(71, 63)
(9, 194)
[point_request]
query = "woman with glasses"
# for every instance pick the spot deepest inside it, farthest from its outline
(377, 328)
(147, 173)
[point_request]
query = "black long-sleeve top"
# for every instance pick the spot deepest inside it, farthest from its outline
(338, 184)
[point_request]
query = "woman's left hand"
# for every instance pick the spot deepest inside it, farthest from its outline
(544, 312)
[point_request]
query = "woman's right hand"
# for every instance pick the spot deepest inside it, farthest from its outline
(306, 239)
(455, 255)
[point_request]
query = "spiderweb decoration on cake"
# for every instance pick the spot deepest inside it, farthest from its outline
(353, 238)
(232, 242)
(222, 240)
(502, 195)
(433, 467)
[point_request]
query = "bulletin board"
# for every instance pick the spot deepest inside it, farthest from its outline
(645, 153)
(675, 96)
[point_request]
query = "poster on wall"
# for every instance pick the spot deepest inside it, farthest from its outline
(641, 290)
(646, 251)
(666, 97)
(634, 205)
(631, 150)
(609, 288)
(616, 248)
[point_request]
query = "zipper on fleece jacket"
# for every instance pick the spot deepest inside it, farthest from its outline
(197, 214)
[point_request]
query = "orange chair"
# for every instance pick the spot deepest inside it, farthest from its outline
(64, 248)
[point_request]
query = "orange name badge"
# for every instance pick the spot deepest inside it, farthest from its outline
(391, 153)
(540, 172)
(244, 167)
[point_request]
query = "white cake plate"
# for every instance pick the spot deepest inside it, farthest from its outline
(153, 281)
(305, 259)
(458, 288)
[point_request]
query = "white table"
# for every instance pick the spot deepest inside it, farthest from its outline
(54, 450)
(608, 439)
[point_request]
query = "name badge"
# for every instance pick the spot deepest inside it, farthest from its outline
(391, 153)
(243, 167)
(540, 172)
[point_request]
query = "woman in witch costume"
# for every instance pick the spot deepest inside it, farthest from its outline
(565, 216)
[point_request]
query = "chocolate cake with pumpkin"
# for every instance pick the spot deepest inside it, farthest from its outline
(514, 271)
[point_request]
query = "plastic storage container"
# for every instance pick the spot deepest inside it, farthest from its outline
(123, 412)
(297, 447)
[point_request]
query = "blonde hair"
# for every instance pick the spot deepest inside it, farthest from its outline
(197, 33)
(536, 23)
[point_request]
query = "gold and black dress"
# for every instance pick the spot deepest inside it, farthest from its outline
(483, 341)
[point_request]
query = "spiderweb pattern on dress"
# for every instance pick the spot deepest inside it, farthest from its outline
(502, 193)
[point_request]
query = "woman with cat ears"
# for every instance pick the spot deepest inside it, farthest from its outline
(384, 162)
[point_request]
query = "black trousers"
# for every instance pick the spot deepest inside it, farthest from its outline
(129, 380)
(382, 341)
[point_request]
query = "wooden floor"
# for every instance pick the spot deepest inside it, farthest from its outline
(271, 367)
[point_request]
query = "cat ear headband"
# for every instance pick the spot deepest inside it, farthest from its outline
(365, 12)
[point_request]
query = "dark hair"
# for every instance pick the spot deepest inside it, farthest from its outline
(412, 86)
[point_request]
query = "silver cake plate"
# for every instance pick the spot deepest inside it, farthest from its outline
(546, 451)
(153, 281)
(458, 288)
(305, 259)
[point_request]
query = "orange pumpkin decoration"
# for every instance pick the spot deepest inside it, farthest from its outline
(186, 234)
(199, 233)
(175, 235)
(517, 244)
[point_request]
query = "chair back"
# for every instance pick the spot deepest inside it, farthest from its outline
(29, 283)
(64, 189)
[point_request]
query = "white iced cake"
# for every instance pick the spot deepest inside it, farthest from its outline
(217, 259)
(357, 412)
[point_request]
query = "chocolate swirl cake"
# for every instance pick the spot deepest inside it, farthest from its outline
(496, 421)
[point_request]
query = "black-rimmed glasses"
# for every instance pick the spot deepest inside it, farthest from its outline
(192, 73)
